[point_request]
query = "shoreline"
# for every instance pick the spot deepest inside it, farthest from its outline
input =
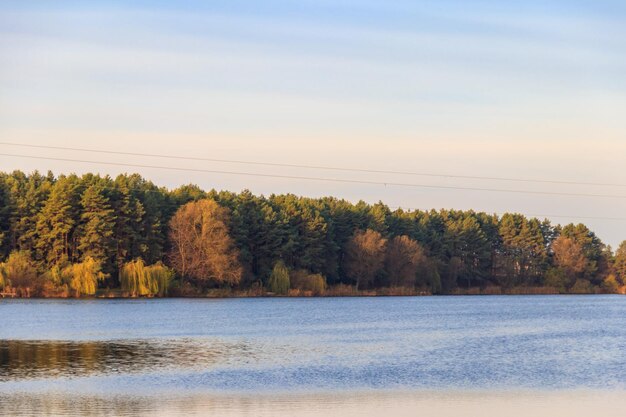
(221, 294)
(210, 297)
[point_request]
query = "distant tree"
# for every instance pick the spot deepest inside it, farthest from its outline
(569, 257)
(403, 258)
(365, 256)
(610, 284)
(19, 272)
(592, 248)
(57, 221)
(162, 276)
(279, 279)
(27, 196)
(259, 231)
(620, 263)
(557, 278)
(568, 254)
(379, 215)
(202, 248)
(135, 280)
(139, 279)
(187, 193)
(97, 222)
(466, 241)
(523, 256)
(5, 218)
(305, 281)
(428, 276)
(452, 270)
(83, 277)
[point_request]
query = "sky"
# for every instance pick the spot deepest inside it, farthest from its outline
(500, 89)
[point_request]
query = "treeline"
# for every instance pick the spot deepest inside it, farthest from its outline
(75, 235)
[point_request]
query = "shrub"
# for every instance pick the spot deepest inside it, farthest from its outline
(581, 286)
(342, 290)
(307, 282)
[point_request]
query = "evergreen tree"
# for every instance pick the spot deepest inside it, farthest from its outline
(57, 221)
(95, 232)
(620, 263)
(5, 215)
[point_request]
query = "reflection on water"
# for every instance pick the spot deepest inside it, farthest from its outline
(20, 359)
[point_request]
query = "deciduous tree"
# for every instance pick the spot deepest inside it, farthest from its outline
(403, 258)
(279, 279)
(569, 257)
(202, 249)
(365, 255)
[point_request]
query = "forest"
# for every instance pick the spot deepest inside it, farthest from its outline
(92, 235)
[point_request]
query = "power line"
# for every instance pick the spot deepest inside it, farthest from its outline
(322, 179)
(391, 207)
(317, 167)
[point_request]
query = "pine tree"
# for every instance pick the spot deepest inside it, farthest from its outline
(5, 215)
(95, 231)
(27, 196)
(57, 221)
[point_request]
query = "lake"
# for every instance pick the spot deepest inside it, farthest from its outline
(314, 356)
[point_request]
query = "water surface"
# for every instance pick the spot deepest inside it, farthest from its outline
(133, 353)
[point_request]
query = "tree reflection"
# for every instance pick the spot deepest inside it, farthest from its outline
(49, 359)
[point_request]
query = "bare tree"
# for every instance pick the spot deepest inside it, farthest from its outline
(202, 248)
(365, 254)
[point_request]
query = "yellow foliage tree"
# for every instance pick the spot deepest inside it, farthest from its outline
(162, 276)
(138, 279)
(19, 272)
(202, 248)
(83, 277)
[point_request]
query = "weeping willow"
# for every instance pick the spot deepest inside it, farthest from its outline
(83, 277)
(162, 276)
(140, 280)
(279, 280)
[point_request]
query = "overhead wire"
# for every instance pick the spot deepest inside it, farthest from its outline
(325, 179)
(314, 167)
(319, 179)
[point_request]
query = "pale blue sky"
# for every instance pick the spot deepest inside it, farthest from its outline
(533, 89)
